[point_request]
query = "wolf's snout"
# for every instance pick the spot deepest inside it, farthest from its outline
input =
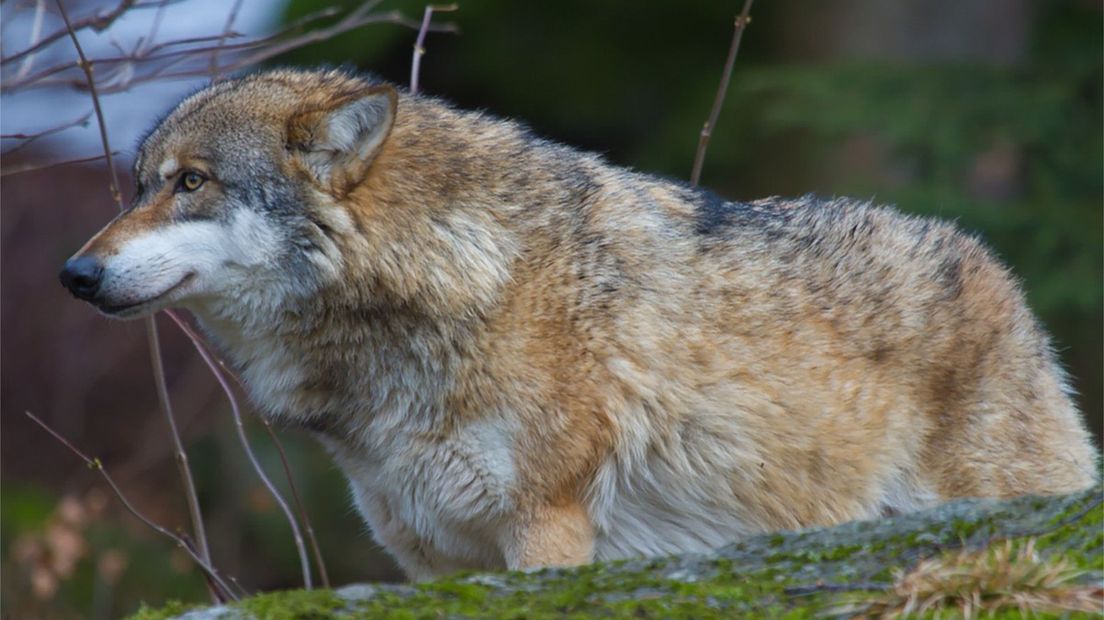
(82, 276)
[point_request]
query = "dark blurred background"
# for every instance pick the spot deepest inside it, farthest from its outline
(987, 112)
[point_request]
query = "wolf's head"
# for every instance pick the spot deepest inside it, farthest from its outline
(237, 195)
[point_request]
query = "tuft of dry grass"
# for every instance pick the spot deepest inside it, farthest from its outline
(972, 583)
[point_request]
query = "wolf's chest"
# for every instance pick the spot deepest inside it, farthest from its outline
(443, 499)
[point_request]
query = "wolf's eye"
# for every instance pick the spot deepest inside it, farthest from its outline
(190, 181)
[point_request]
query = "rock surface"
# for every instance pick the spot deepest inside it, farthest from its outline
(809, 573)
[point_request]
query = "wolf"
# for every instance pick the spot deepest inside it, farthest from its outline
(521, 355)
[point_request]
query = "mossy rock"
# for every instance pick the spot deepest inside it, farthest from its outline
(809, 573)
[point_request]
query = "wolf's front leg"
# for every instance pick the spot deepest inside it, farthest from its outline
(550, 536)
(396, 537)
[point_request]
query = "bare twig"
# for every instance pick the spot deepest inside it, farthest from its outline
(10, 170)
(269, 46)
(151, 326)
(154, 27)
(240, 426)
(239, 586)
(36, 32)
(93, 463)
(419, 43)
(323, 574)
(355, 19)
(230, 19)
(296, 498)
(179, 453)
(30, 138)
(149, 53)
(742, 20)
(212, 587)
(96, 22)
(83, 120)
(87, 68)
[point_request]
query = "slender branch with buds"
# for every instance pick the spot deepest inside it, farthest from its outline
(419, 43)
(316, 551)
(300, 509)
(31, 167)
(224, 591)
(29, 138)
(742, 20)
(240, 426)
(87, 68)
(98, 23)
(181, 455)
(227, 30)
(36, 32)
(194, 54)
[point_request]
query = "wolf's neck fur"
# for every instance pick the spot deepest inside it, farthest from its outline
(340, 369)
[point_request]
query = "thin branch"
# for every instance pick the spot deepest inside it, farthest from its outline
(36, 32)
(240, 426)
(96, 22)
(230, 19)
(151, 327)
(239, 586)
(10, 170)
(83, 120)
(87, 68)
(419, 43)
(179, 453)
(30, 138)
(156, 4)
(149, 54)
(200, 345)
(742, 20)
(299, 507)
(192, 40)
(94, 463)
(323, 574)
(212, 587)
(154, 27)
(352, 21)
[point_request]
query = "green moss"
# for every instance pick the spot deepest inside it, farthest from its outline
(776, 575)
(171, 609)
(294, 605)
(466, 593)
(1078, 533)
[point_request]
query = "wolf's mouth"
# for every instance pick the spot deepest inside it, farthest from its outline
(130, 308)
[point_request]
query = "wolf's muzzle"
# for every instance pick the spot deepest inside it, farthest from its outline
(82, 276)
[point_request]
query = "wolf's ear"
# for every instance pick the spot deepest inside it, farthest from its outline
(339, 144)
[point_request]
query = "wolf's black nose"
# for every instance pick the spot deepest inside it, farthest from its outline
(82, 276)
